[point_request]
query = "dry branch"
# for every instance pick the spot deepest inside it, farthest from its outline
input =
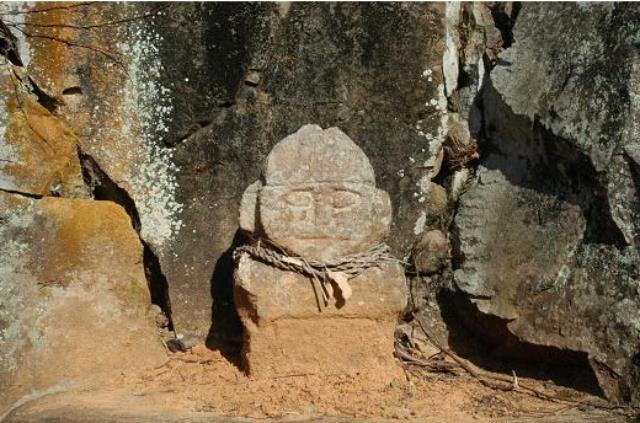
(506, 383)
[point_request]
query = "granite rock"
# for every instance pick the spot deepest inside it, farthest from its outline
(546, 235)
(74, 302)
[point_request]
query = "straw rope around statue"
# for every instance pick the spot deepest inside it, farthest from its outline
(325, 276)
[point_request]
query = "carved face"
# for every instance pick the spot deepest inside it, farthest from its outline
(324, 220)
(319, 200)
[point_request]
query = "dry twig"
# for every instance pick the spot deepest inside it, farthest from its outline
(431, 365)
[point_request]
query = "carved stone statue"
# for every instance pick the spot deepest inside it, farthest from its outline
(317, 207)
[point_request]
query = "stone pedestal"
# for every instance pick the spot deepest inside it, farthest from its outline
(286, 333)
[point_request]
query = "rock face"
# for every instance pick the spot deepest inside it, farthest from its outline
(74, 303)
(548, 233)
(319, 202)
(260, 73)
(38, 151)
(543, 240)
(182, 131)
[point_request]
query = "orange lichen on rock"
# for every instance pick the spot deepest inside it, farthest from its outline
(77, 295)
(44, 149)
(51, 37)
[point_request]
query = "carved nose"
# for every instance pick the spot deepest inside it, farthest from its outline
(323, 213)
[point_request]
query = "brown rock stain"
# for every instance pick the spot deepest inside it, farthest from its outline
(51, 57)
(91, 232)
(46, 147)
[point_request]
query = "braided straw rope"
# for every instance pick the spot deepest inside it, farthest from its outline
(321, 273)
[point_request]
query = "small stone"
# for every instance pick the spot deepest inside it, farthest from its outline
(430, 252)
(161, 319)
(252, 79)
(436, 201)
(182, 343)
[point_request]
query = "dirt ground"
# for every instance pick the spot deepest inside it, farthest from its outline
(204, 381)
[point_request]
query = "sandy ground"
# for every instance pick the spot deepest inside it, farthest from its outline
(203, 381)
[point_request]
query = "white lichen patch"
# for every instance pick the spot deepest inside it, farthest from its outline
(435, 140)
(420, 224)
(146, 113)
(450, 61)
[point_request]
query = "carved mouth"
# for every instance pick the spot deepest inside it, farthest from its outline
(321, 238)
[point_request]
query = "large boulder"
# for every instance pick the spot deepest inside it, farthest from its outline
(74, 302)
(37, 151)
(547, 236)
(264, 71)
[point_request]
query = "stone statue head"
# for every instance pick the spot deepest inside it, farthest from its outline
(318, 197)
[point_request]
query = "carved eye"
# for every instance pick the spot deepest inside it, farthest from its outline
(299, 198)
(342, 199)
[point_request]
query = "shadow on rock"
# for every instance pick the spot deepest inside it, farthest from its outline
(500, 351)
(225, 333)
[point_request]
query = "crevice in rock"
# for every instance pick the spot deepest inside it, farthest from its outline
(225, 332)
(102, 187)
(22, 193)
(195, 128)
(504, 16)
(46, 100)
(72, 91)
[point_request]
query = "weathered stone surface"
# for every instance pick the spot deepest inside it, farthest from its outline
(266, 294)
(184, 131)
(74, 305)
(547, 235)
(319, 202)
(319, 199)
(37, 152)
(285, 333)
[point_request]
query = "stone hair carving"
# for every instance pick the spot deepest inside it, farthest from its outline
(317, 198)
